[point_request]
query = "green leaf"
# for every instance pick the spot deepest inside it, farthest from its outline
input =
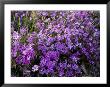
(19, 23)
(23, 39)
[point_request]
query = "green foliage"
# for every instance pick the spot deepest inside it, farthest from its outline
(23, 39)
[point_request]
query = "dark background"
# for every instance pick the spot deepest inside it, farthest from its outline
(2, 2)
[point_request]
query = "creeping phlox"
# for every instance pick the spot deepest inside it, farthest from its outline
(55, 43)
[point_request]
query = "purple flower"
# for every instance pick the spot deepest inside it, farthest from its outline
(23, 31)
(61, 73)
(47, 66)
(74, 58)
(69, 73)
(31, 37)
(19, 59)
(52, 55)
(27, 55)
(61, 47)
(44, 61)
(75, 66)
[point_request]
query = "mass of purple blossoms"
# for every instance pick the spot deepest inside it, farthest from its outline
(55, 43)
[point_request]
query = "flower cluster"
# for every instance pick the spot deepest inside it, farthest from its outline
(55, 43)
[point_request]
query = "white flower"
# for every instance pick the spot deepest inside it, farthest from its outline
(35, 68)
(16, 36)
